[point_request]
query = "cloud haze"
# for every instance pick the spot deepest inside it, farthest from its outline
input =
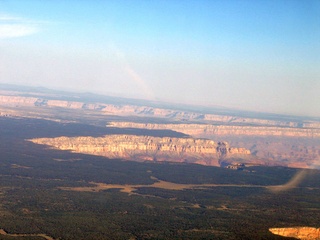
(236, 54)
(13, 27)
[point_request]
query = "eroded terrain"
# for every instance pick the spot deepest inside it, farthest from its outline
(148, 148)
(271, 139)
(84, 187)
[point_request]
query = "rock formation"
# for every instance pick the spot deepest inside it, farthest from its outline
(141, 148)
(207, 130)
(303, 233)
(271, 146)
(272, 140)
(9, 98)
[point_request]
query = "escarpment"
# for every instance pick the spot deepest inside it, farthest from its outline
(272, 140)
(142, 148)
(207, 130)
(271, 146)
(38, 100)
(303, 233)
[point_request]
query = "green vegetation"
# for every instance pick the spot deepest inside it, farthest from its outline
(32, 203)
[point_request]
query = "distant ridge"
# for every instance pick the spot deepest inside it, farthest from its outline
(34, 91)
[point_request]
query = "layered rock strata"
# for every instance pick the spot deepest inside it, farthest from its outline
(207, 130)
(141, 148)
(38, 100)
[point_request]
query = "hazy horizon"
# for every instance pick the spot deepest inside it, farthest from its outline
(251, 55)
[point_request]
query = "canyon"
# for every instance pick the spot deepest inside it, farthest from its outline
(143, 163)
(16, 99)
(147, 148)
(271, 140)
(270, 146)
(208, 130)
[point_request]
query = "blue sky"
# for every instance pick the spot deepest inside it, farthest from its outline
(252, 55)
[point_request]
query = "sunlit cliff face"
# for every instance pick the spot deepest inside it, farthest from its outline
(303, 233)
(142, 148)
(208, 130)
(249, 126)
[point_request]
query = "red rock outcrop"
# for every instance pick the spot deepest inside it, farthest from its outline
(303, 233)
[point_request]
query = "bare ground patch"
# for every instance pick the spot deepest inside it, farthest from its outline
(44, 236)
(19, 166)
(128, 188)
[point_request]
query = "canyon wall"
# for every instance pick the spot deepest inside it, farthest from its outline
(10, 99)
(271, 146)
(271, 142)
(303, 233)
(17, 100)
(141, 148)
(207, 130)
